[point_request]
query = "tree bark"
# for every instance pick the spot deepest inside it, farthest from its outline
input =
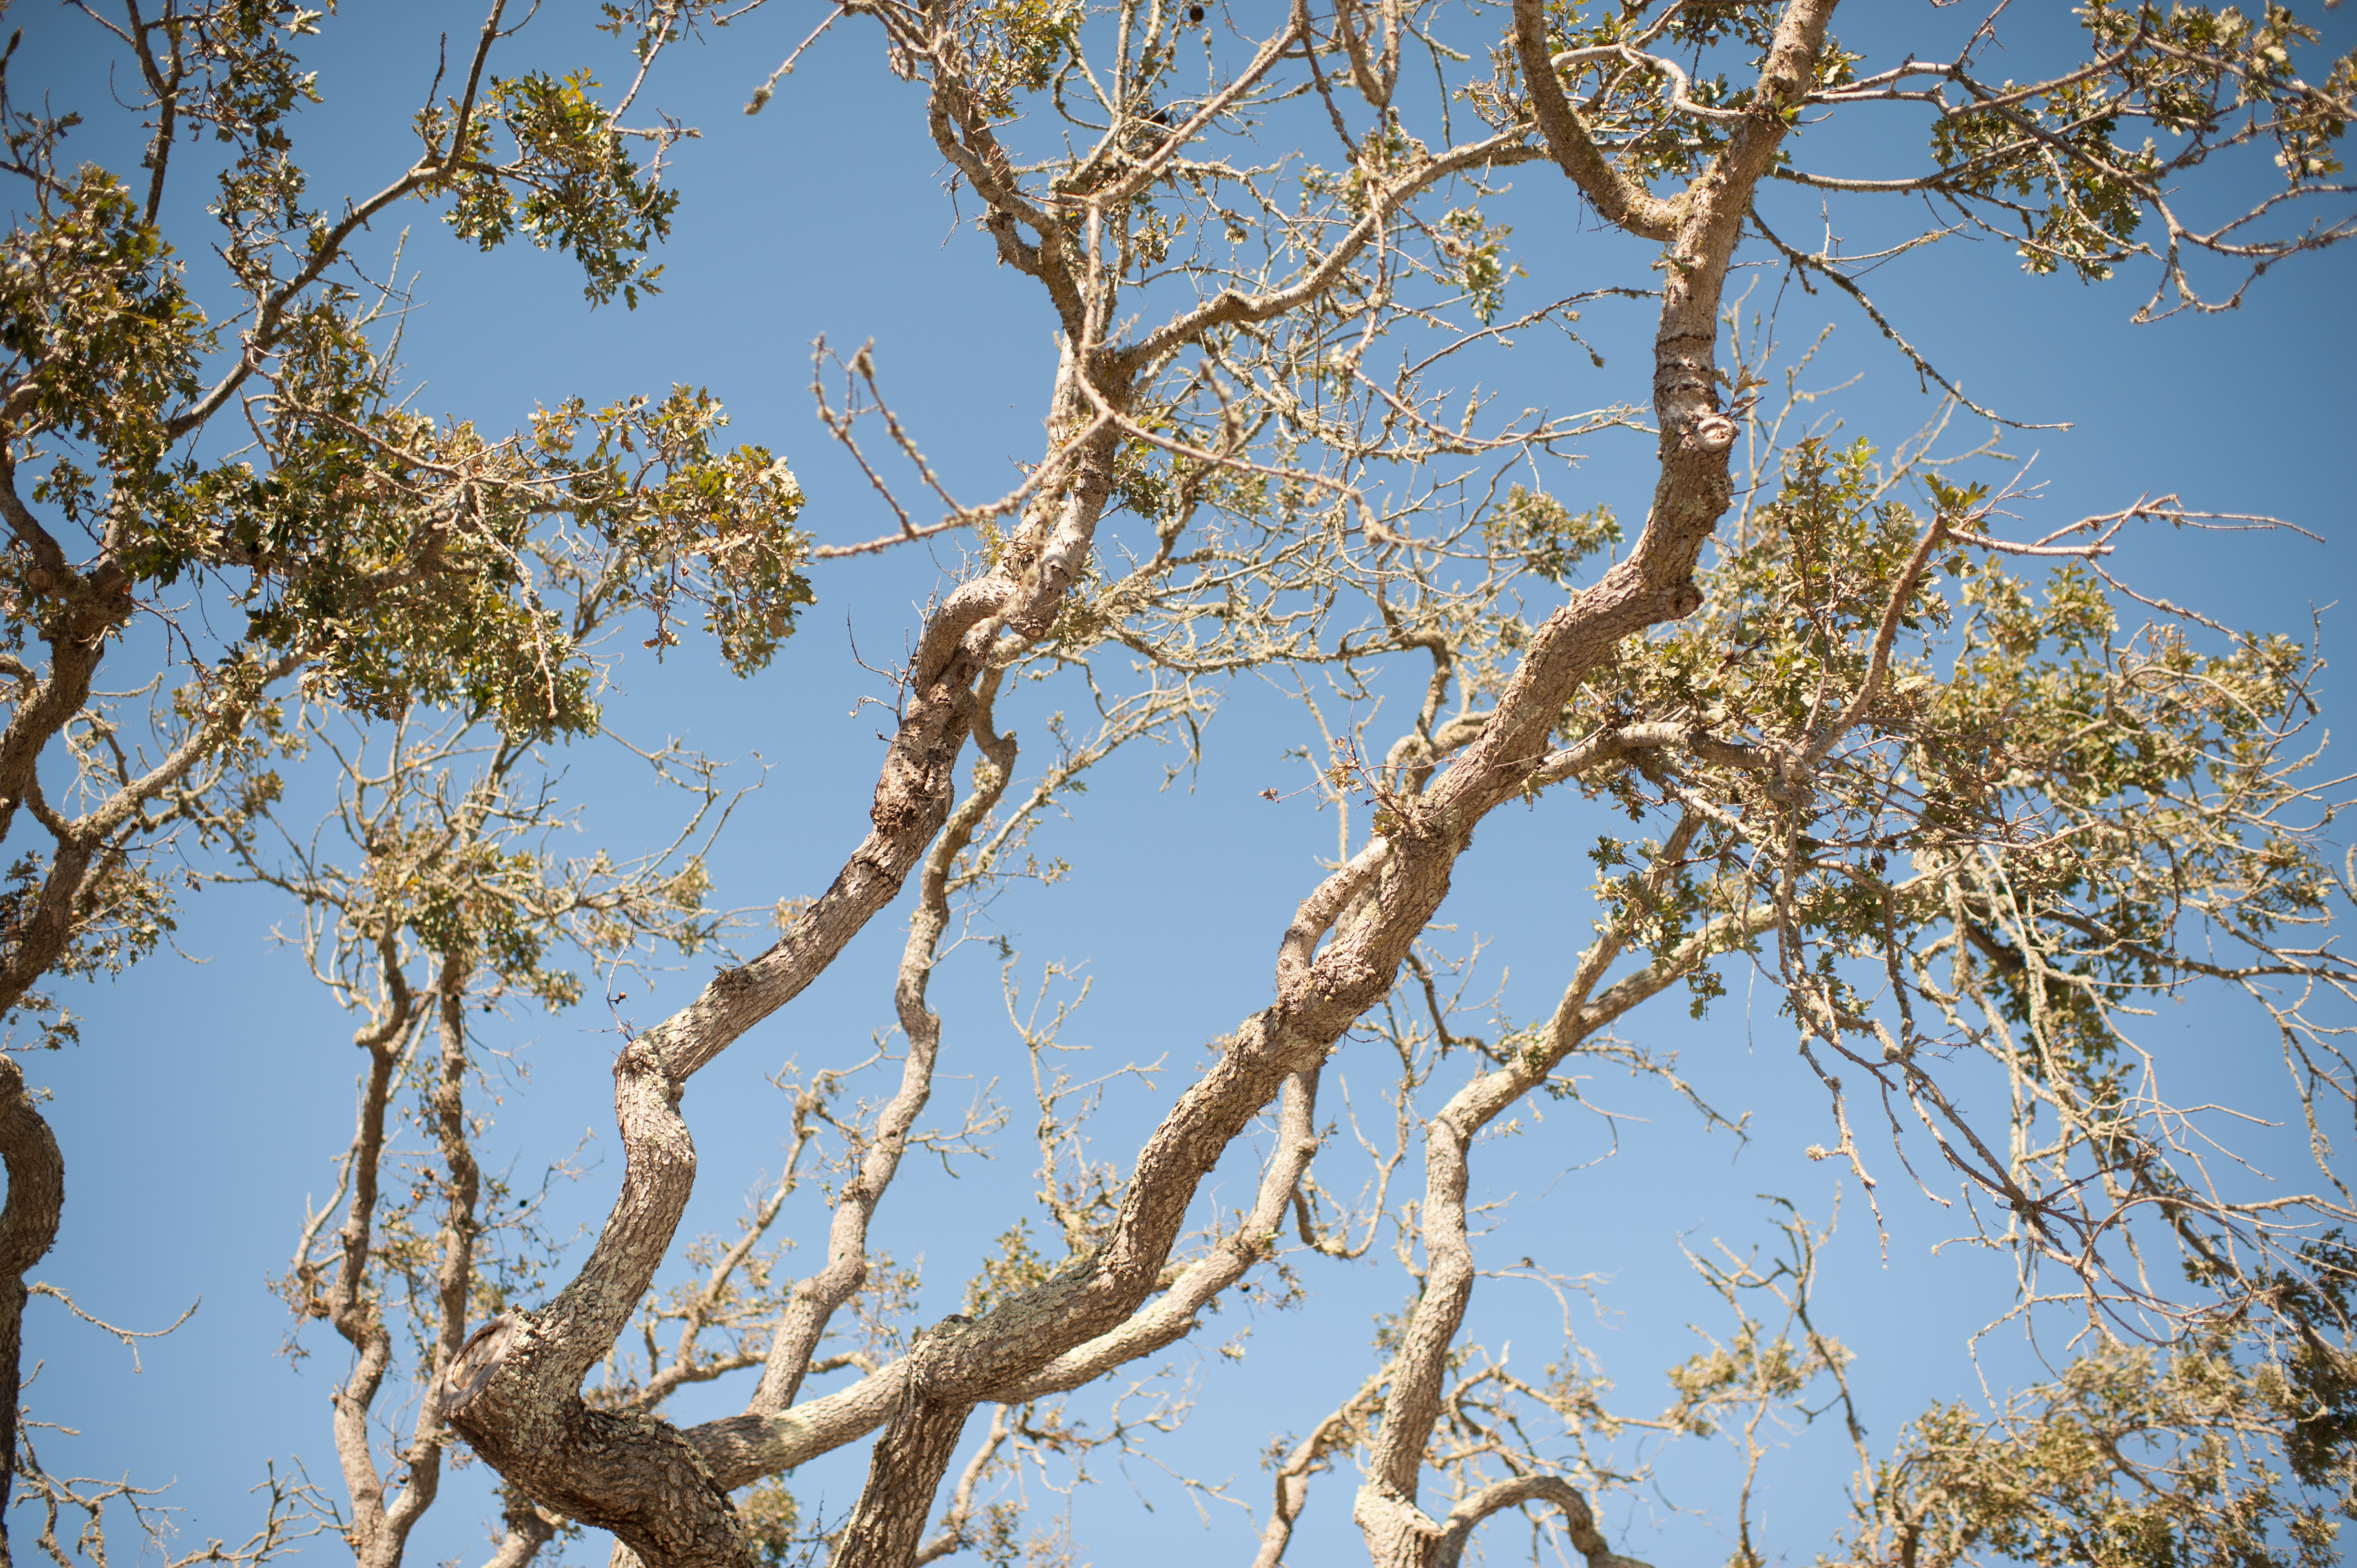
(29, 1225)
(1655, 584)
(1579, 1520)
(904, 1471)
(513, 1389)
(816, 1298)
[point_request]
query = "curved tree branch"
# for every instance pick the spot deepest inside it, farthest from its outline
(1579, 1520)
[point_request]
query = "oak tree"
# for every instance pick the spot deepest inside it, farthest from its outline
(214, 487)
(1960, 795)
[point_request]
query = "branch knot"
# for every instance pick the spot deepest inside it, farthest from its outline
(1710, 432)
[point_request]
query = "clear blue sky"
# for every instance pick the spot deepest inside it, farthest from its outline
(206, 1101)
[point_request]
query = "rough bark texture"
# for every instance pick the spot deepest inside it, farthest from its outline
(1269, 343)
(904, 1471)
(36, 1197)
(816, 1299)
(514, 1391)
(1653, 584)
(1579, 1520)
(1388, 893)
(1619, 200)
(1172, 1316)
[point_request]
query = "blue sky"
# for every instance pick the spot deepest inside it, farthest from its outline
(206, 1100)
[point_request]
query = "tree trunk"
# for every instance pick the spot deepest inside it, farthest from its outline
(36, 1195)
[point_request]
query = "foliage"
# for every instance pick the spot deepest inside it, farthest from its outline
(1966, 809)
(2130, 1456)
(386, 558)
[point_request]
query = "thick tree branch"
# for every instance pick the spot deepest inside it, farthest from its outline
(816, 1299)
(1391, 889)
(29, 1224)
(1579, 1520)
(1172, 1316)
(1621, 201)
(514, 1389)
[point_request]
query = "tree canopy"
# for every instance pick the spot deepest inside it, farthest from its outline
(1848, 720)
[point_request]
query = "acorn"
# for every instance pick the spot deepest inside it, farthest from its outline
(1194, 13)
